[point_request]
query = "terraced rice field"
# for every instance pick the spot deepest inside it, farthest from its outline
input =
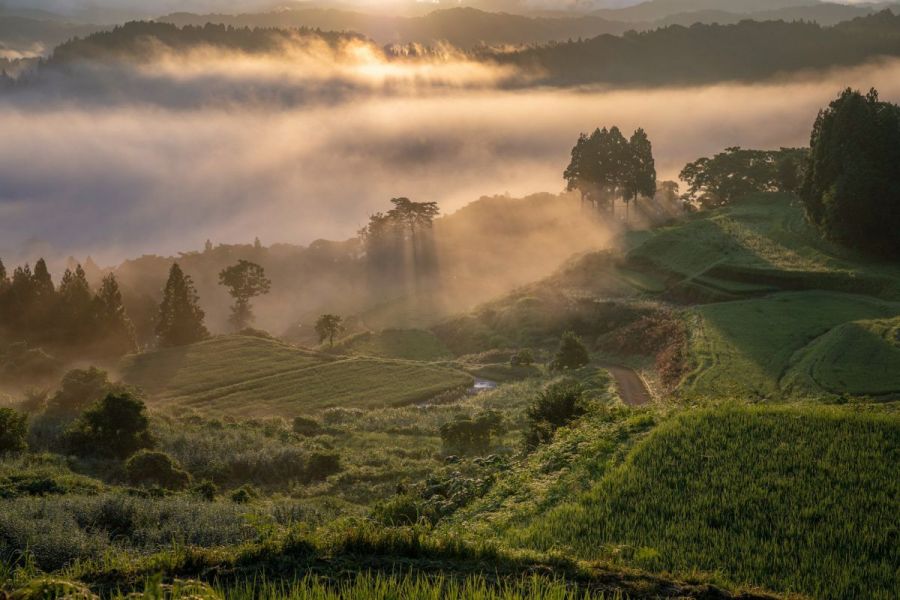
(255, 377)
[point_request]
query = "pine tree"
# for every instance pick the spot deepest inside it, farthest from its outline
(180, 316)
(4, 278)
(113, 323)
(43, 283)
(74, 315)
(642, 169)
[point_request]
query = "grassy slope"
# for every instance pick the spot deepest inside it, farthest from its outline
(249, 376)
(743, 349)
(796, 499)
(759, 244)
(407, 344)
(832, 361)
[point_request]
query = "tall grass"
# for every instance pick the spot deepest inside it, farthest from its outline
(380, 586)
(794, 499)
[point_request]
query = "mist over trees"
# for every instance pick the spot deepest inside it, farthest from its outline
(606, 166)
(399, 245)
(245, 281)
(71, 318)
(180, 320)
(746, 51)
(851, 188)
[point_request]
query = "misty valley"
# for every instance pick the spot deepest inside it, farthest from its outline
(490, 299)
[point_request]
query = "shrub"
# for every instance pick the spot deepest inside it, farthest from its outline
(556, 406)
(522, 358)
(13, 429)
(339, 415)
(244, 494)
(306, 427)
(572, 353)
(115, 427)
(206, 489)
(471, 435)
(322, 464)
(157, 468)
(79, 389)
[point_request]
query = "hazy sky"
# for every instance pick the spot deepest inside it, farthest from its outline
(290, 155)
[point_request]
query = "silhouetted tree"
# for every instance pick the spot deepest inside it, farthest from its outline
(605, 165)
(4, 277)
(75, 307)
(180, 319)
(328, 326)
(851, 187)
(117, 426)
(641, 172)
(113, 325)
(734, 173)
(244, 281)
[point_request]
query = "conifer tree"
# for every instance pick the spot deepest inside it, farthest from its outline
(112, 320)
(74, 314)
(180, 316)
(4, 277)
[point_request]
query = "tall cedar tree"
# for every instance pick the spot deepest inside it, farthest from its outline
(113, 324)
(244, 281)
(75, 307)
(851, 187)
(180, 316)
(604, 166)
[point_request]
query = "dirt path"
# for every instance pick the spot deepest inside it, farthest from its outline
(631, 386)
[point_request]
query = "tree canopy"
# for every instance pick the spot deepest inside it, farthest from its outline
(180, 316)
(851, 188)
(735, 172)
(604, 166)
(328, 326)
(244, 281)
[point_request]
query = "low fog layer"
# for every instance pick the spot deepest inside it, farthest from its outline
(124, 178)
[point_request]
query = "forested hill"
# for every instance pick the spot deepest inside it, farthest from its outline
(747, 51)
(142, 39)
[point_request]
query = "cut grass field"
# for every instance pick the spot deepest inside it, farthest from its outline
(744, 349)
(407, 344)
(860, 358)
(801, 499)
(758, 244)
(259, 377)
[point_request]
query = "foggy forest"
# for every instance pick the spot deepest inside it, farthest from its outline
(482, 299)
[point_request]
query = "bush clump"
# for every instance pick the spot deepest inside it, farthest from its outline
(306, 427)
(115, 427)
(467, 435)
(156, 468)
(556, 406)
(572, 353)
(13, 431)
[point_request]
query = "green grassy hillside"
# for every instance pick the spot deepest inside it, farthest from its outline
(254, 377)
(833, 361)
(794, 499)
(760, 244)
(408, 344)
(743, 349)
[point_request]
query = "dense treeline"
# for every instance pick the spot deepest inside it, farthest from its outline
(606, 166)
(131, 40)
(68, 317)
(852, 184)
(746, 51)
